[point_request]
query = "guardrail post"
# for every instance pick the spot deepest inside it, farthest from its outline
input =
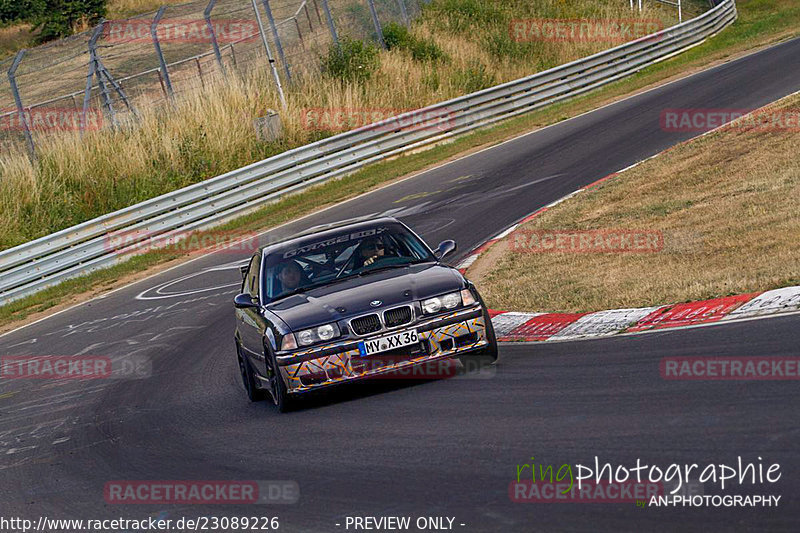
(270, 59)
(277, 38)
(157, 45)
(18, 101)
(214, 43)
(331, 25)
(377, 23)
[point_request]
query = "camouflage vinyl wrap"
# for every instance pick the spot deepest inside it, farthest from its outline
(442, 342)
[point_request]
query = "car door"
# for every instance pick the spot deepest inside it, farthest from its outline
(251, 322)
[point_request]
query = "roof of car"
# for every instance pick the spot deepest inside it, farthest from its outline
(334, 228)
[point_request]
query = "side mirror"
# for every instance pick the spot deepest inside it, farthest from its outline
(445, 247)
(245, 301)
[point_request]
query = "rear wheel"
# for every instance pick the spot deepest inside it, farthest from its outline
(254, 394)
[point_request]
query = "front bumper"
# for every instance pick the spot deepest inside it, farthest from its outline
(441, 337)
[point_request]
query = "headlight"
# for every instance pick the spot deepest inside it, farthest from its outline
(451, 301)
(324, 332)
(448, 301)
(431, 305)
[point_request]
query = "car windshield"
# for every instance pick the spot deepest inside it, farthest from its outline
(309, 263)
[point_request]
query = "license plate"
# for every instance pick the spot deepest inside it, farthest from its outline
(389, 342)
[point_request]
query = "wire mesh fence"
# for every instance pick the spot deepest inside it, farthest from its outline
(102, 77)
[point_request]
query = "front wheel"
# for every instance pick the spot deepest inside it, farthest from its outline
(280, 395)
(488, 355)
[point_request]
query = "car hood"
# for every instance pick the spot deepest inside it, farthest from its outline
(352, 297)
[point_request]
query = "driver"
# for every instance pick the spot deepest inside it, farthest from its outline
(371, 249)
(291, 276)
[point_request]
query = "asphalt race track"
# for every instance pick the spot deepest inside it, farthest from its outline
(437, 448)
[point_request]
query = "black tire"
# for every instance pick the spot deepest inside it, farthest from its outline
(485, 357)
(254, 394)
(280, 395)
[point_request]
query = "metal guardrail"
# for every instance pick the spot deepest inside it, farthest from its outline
(85, 247)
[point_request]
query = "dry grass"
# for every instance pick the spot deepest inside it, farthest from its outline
(210, 129)
(127, 8)
(13, 38)
(728, 206)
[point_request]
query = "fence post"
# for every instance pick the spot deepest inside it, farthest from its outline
(404, 12)
(331, 25)
(98, 72)
(233, 55)
(157, 45)
(200, 72)
(376, 22)
(277, 38)
(101, 70)
(316, 8)
(305, 6)
(214, 43)
(270, 59)
(92, 65)
(299, 33)
(18, 102)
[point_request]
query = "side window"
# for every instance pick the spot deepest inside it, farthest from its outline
(251, 281)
